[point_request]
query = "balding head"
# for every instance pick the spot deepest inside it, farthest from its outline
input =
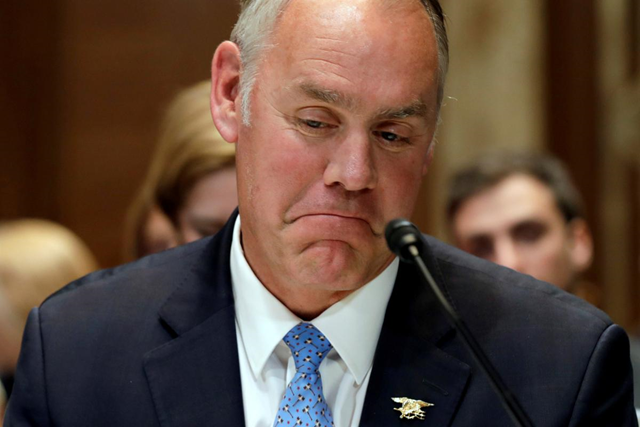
(258, 19)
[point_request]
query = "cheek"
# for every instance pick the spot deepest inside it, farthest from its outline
(295, 164)
(272, 172)
(189, 235)
(186, 234)
(550, 258)
(400, 185)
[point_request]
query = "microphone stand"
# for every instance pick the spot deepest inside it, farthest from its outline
(410, 252)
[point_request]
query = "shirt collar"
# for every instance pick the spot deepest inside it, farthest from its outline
(352, 325)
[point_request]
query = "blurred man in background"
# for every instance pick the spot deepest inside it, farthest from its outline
(522, 210)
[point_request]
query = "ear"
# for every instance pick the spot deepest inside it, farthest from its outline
(581, 244)
(429, 157)
(225, 79)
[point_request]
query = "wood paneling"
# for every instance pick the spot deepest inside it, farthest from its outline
(572, 99)
(28, 77)
(87, 84)
(618, 87)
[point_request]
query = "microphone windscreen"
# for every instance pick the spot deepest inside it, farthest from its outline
(401, 234)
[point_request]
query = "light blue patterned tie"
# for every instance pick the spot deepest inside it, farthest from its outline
(303, 403)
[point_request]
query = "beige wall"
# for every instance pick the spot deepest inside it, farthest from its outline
(494, 96)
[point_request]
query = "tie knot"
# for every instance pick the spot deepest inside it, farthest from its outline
(308, 346)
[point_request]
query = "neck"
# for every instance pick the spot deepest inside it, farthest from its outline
(308, 292)
(307, 304)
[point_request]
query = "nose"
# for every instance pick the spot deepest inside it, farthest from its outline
(352, 164)
(506, 254)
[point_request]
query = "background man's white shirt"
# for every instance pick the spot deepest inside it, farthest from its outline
(352, 325)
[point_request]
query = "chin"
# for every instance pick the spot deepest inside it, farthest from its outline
(330, 265)
(334, 266)
(342, 282)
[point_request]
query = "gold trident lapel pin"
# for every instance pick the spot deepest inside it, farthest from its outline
(411, 408)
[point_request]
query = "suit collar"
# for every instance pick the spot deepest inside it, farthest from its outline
(195, 378)
(409, 361)
(205, 288)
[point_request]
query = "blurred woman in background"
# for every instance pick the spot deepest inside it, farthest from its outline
(37, 258)
(10, 338)
(190, 187)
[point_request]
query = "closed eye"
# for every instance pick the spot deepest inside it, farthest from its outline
(389, 136)
(314, 127)
(314, 124)
(391, 140)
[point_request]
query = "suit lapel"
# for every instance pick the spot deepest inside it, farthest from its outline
(417, 371)
(408, 361)
(195, 378)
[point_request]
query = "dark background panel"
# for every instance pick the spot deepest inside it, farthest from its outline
(83, 88)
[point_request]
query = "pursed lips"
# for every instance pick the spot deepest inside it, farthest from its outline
(343, 215)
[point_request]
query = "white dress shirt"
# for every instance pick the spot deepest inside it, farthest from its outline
(352, 325)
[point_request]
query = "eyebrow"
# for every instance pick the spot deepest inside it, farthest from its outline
(416, 109)
(327, 95)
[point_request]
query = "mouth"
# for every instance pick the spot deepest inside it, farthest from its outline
(337, 218)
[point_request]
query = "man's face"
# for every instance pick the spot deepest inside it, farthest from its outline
(517, 223)
(342, 116)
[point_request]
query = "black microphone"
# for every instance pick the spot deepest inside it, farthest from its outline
(405, 240)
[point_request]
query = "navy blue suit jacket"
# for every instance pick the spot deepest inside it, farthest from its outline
(153, 343)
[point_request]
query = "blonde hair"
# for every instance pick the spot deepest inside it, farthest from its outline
(37, 258)
(189, 148)
(11, 329)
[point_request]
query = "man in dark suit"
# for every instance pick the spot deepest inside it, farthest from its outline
(333, 106)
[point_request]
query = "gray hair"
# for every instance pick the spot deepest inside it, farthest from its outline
(257, 22)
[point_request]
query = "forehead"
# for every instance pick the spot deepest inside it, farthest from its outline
(359, 43)
(515, 199)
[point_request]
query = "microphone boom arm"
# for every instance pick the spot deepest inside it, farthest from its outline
(405, 240)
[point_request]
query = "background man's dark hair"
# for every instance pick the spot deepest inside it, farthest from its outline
(492, 168)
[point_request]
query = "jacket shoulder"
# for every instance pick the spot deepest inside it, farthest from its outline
(468, 278)
(141, 284)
